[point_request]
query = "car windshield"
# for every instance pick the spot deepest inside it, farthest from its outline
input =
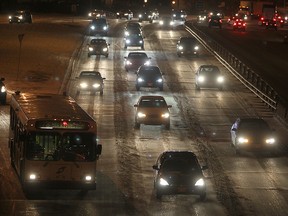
(93, 42)
(155, 102)
(188, 40)
(90, 74)
(254, 125)
(137, 56)
(209, 70)
(99, 22)
(179, 165)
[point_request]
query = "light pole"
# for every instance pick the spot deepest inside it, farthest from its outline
(20, 38)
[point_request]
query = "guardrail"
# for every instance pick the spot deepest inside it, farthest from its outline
(242, 72)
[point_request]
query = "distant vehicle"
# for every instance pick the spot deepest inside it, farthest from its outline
(136, 59)
(98, 46)
(280, 20)
(155, 14)
(232, 19)
(179, 172)
(187, 45)
(239, 24)
(209, 76)
(145, 16)
(152, 110)
(90, 81)
(202, 17)
(99, 26)
(179, 15)
(252, 134)
(22, 16)
(130, 30)
(271, 24)
(149, 77)
(3, 91)
(166, 22)
(127, 14)
(58, 142)
(96, 13)
(133, 24)
(215, 21)
(134, 40)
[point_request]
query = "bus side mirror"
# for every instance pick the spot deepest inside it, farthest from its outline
(99, 149)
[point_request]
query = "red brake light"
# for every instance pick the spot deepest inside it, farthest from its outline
(65, 123)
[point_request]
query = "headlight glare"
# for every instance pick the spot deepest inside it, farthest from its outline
(220, 79)
(141, 115)
(83, 85)
(200, 182)
(163, 182)
(3, 89)
(270, 141)
(165, 115)
(242, 140)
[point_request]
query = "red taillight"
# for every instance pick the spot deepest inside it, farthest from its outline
(65, 124)
(262, 18)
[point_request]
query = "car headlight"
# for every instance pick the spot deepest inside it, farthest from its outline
(140, 79)
(147, 63)
(220, 79)
(141, 41)
(141, 115)
(96, 85)
(89, 14)
(105, 49)
(83, 85)
(196, 48)
(3, 89)
(118, 13)
(174, 15)
(270, 140)
(165, 115)
(88, 178)
(171, 23)
(201, 78)
(180, 47)
(21, 17)
(163, 182)
(33, 176)
(161, 22)
(128, 62)
(140, 16)
(126, 33)
(92, 27)
(10, 17)
(160, 80)
(105, 28)
(200, 182)
(90, 49)
(242, 140)
(127, 41)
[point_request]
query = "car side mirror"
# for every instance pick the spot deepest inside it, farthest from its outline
(234, 129)
(135, 105)
(155, 167)
(125, 57)
(169, 106)
(103, 78)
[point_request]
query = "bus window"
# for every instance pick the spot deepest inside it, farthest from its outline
(43, 146)
(79, 147)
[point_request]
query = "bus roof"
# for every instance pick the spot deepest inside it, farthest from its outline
(47, 106)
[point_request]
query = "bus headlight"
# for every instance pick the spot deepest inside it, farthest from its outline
(159, 80)
(200, 182)
(88, 178)
(140, 79)
(3, 89)
(196, 48)
(180, 47)
(163, 182)
(105, 49)
(32, 176)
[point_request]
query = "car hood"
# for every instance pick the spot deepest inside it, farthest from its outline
(177, 177)
(153, 109)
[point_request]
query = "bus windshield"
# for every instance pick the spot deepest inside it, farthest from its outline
(53, 146)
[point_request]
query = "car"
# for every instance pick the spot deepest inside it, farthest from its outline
(271, 23)
(20, 16)
(280, 19)
(239, 24)
(202, 17)
(179, 15)
(145, 16)
(209, 76)
(3, 91)
(132, 30)
(187, 45)
(133, 24)
(252, 134)
(215, 21)
(96, 13)
(149, 77)
(99, 26)
(134, 40)
(166, 22)
(154, 14)
(179, 172)
(90, 81)
(152, 110)
(98, 46)
(127, 14)
(136, 59)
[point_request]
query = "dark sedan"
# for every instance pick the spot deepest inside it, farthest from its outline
(179, 172)
(98, 46)
(253, 134)
(149, 77)
(136, 59)
(20, 17)
(90, 81)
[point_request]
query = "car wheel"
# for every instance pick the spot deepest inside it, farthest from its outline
(203, 196)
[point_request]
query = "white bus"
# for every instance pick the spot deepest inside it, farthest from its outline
(53, 142)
